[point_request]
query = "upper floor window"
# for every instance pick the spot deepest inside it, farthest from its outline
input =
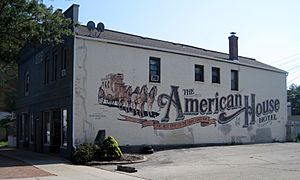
(26, 87)
(64, 62)
(54, 66)
(234, 80)
(199, 73)
(154, 69)
(46, 71)
(215, 75)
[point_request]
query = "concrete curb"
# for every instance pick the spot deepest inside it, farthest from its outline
(99, 163)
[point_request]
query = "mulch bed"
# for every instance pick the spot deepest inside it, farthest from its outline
(126, 159)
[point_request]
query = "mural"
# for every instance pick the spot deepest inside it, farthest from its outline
(136, 106)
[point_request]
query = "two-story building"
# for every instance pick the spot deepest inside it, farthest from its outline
(145, 91)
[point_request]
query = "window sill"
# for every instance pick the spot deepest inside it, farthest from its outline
(154, 83)
(199, 82)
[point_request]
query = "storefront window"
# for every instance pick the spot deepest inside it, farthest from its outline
(47, 128)
(31, 128)
(25, 127)
(64, 127)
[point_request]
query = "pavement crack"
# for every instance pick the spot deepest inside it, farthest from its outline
(263, 160)
(282, 169)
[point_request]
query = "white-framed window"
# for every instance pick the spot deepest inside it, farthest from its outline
(154, 69)
(199, 73)
(216, 75)
(234, 80)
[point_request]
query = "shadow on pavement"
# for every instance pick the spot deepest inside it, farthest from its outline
(11, 167)
(28, 157)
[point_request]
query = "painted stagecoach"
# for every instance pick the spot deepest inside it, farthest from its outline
(114, 92)
(111, 88)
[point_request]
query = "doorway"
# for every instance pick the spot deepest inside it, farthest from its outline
(56, 131)
(52, 130)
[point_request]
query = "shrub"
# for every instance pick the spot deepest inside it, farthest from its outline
(111, 149)
(298, 137)
(84, 153)
(87, 152)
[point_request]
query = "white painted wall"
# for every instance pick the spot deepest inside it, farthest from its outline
(95, 60)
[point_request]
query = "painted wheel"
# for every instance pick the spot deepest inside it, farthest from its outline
(100, 96)
(110, 99)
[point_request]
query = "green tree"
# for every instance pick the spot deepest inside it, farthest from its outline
(28, 22)
(293, 96)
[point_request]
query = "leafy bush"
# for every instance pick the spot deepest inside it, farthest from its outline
(111, 149)
(84, 153)
(297, 137)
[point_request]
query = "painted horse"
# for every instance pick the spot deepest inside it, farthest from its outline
(150, 100)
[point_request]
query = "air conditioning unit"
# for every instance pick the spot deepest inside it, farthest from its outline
(63, 72)
(154, 78)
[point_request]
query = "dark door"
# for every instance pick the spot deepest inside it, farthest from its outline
(56, 131)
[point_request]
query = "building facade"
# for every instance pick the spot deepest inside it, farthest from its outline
(145, 91)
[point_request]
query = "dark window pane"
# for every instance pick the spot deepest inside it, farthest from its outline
(234, 80)
(199, 73)
(215, 75)
(154, 69)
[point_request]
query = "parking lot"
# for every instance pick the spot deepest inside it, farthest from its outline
(257, 161)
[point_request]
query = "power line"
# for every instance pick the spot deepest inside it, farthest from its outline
(284, 58)
(283, 62)
(295, 67)
(294, 79)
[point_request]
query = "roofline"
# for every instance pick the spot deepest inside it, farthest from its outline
(174, 43)
(236, 62)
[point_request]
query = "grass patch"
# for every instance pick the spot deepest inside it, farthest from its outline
(3, 144)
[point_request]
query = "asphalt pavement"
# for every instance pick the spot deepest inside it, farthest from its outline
(256, 161)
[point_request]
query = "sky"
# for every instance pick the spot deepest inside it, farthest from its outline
(268, 30)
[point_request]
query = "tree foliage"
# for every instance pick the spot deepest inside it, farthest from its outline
(28, 22)
(293, 96)
(8, 80)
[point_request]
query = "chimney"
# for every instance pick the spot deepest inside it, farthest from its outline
(233, 46)
(72, 13)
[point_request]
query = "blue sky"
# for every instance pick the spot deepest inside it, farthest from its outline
(268, 30)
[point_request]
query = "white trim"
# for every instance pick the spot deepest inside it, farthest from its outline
(73, 98)
(236, 62)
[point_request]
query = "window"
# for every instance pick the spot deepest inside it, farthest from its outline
(46, 71)
(234, 80)
(64, 62)
(26, 87)
(32, 130)
(154, 69)
(24, 128)
(199, 73)
(215, 75)
(54, 66)
(47, 128)
(64, 129)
